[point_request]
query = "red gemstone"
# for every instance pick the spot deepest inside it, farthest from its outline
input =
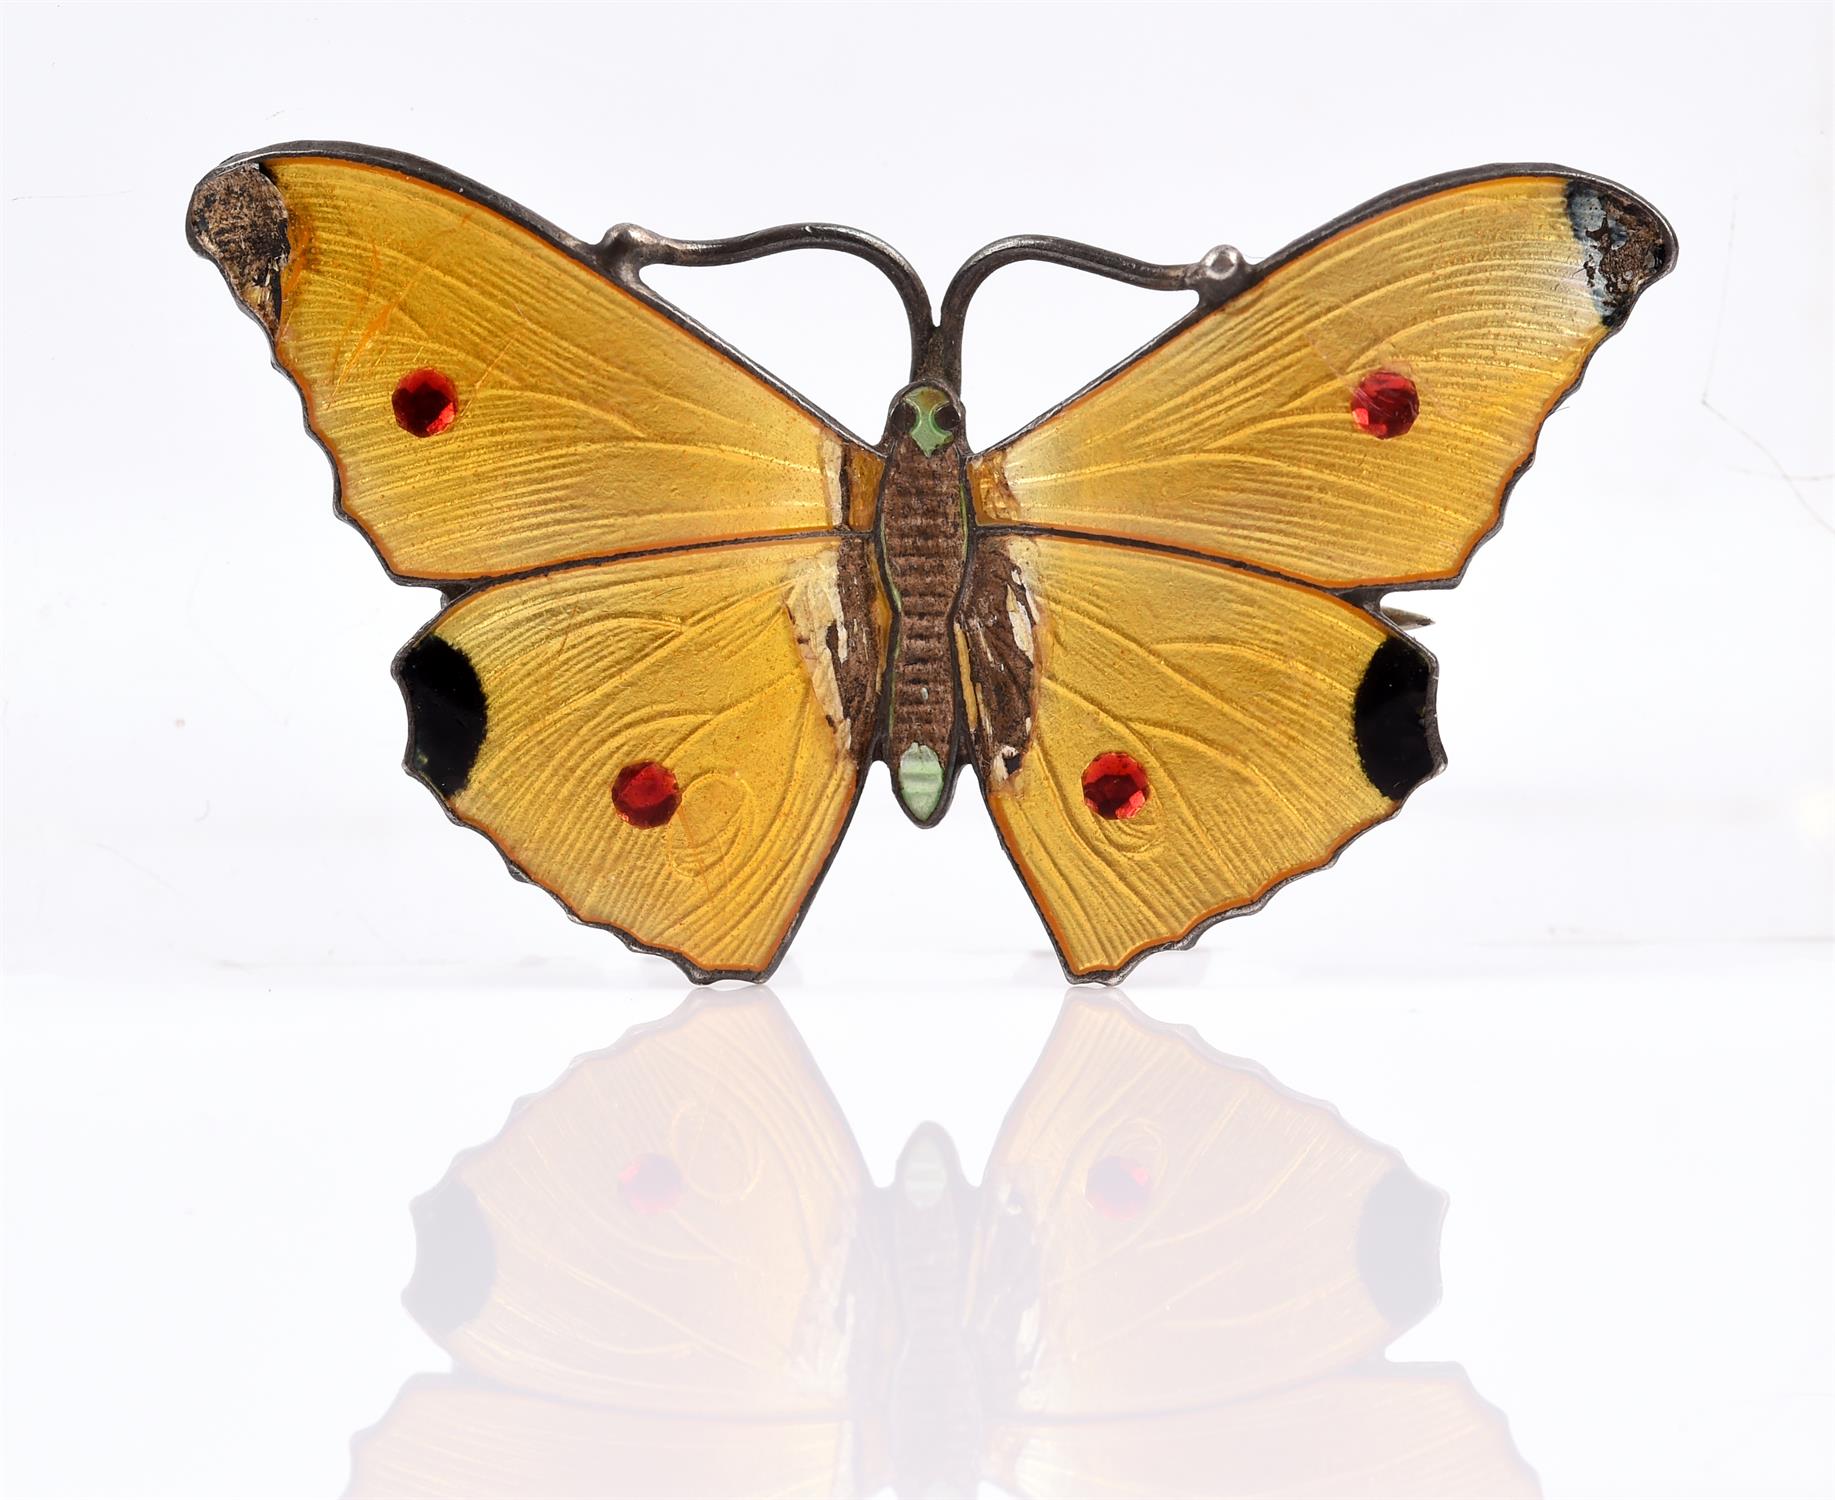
(1115, 785)
(1385, 404)
(651, 1184)
(1118, 1188)
(646, 795)
(425, 403)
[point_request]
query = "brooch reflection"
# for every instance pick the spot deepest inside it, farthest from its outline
(685, 610)
(672, 1275)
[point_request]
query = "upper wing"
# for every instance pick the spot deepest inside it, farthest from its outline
(1255, 431)
(491, 401)
(1164, 739)
(670, 743)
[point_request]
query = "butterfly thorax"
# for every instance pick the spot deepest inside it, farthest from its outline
(921, 526)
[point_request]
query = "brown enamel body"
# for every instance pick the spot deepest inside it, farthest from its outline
(922, 523)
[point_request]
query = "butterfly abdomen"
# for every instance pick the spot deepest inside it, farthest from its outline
(923, 542)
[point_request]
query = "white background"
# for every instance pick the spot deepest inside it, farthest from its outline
(259, 991)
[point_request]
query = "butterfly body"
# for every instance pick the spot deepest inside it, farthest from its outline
(685, 609)
(921, 525)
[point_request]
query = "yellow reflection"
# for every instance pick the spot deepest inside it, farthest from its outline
(672, 1274)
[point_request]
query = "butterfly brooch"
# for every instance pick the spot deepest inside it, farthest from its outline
(685, 610)
(672, 1274)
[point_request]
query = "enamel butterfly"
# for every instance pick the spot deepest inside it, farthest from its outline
(685, 610)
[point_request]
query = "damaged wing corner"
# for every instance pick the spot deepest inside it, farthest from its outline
(1625, 244)
(238, 219)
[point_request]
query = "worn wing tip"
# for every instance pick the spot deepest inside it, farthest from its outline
(1625, 244)
(238, 219)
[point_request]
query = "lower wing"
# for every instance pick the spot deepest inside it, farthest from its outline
(1164, 739)
(450, 1436)
(669, 743)
(1167, 1229)
(1407, 1431)
(666, 1230)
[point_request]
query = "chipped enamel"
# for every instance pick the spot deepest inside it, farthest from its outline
(815, 606)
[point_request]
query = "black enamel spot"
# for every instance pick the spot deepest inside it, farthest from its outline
(446, 716)
(1393, 718)
(1398, 1247)
(455, 1260)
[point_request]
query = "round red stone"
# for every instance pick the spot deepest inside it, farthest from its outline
(1385, 403)
(425, 403)
(1118, 1188)
(646, 795)
(651, 1184)
(1115, 785)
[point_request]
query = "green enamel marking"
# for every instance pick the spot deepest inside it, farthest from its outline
(920, 780)
(927, 401)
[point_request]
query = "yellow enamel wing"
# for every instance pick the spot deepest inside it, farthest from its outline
(686, 610)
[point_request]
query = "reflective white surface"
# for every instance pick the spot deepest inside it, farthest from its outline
(259, 993)
(208, 1229)
(1174, 1276)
